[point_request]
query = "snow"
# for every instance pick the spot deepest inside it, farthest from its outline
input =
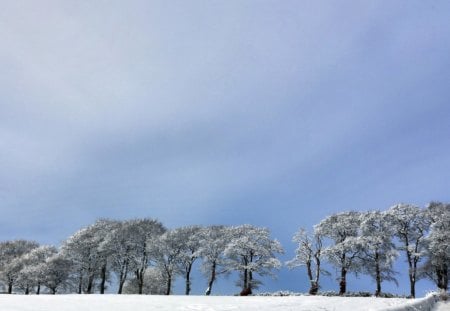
(211, 303)
(442, 306)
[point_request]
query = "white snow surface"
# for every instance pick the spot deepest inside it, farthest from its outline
(211, 303)
(442, 306)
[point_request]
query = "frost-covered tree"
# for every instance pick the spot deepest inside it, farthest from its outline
(166, 255)
(308, 254)
(102, 228)
(55, 272)
(89, 261)
(411, 224)
(252, 251)
(438, 244)
(31, 274)
(343, 230)
(10, 260)
(154, 283)
(190, 251)
(119, 245)
(378, 251)
(142, 232)
(213, 241)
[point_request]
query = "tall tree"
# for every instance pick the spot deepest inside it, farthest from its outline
(142, 232)
(411, 224)
(213, 241)
(252, 251)
(190, 251)
(343, 230)
(118, 244)
(378, 250)
(308, 254)
(166, 253)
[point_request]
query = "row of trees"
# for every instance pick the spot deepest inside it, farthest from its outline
(370, 242)
(141, 255)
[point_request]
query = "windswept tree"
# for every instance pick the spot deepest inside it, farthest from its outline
(308, 254)
(438, 244)
(252, 251)
(378, 251)
(343, 230)
(411, 225)
(10, 260)
(213, 241)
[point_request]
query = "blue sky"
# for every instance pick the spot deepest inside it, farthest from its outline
(204, 112)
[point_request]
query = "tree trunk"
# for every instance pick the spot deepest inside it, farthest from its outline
(53, 290)
(245, 279)
(27, 290)
(90, 285)
(412, 283)
(140, 278)
(377, 274)
(343, 282)
(442, 277)
(411, 272)
(211, 279)
(38, 289)
(250, 282)
(10, 287)
(169, 284)
(123, 276)
(445, 278)
(188, 279)
(103, 279)
(315, 283)
(80, 284)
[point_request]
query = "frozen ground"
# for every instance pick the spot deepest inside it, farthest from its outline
(213, 303)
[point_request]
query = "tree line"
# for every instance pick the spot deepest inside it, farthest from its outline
(370, 242)
(143, 257)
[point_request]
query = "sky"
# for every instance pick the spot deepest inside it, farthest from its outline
(273, 113)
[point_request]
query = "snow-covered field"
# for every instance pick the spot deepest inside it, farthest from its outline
(173, 303)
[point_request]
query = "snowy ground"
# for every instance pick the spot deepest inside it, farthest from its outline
(442, 306)
(173, 303)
